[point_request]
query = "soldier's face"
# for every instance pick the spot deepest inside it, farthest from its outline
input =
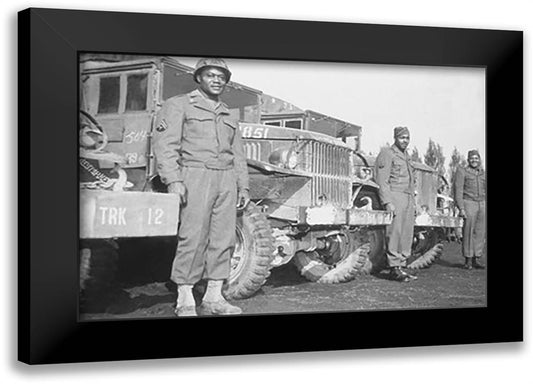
(212, 81)
(474, 161)
(402, 141)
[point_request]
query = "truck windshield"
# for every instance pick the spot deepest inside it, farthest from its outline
(136, 93)
(109, 94)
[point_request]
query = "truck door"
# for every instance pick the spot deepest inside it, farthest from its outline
(123, 104)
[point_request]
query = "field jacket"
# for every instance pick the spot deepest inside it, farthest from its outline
(191, 132)
(394, 173)
(469, 185)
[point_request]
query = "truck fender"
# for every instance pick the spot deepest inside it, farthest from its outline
(268, 168)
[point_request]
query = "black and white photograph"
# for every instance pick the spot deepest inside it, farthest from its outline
(213, 186)
(288, 189)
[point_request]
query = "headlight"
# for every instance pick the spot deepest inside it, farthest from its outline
(365, 173)
(285, 158)
(292, 160)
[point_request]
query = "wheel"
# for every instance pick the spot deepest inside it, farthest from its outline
(376, 257)
(376, 235)
(427, 247)
(254, 250)
(98, 265)
(344, 255)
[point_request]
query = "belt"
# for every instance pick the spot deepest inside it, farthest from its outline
(405, 191)
(209, 164)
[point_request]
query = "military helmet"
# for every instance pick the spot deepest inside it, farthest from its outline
(209, 62)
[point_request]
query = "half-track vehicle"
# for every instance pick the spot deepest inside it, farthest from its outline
(304, 206)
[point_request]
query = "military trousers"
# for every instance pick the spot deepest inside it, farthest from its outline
(400, 232)
(206, 233)
(474, 228)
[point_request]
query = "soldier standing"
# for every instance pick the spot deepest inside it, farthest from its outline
(394, 175)
(200, 158)
(470, 190)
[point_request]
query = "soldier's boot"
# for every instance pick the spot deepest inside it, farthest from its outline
(468, 263)
(185, 306)
(213, 303)
(410, 273)
(477, 264)
(398, 274)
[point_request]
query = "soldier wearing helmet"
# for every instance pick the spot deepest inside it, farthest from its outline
(215, 63)
(199, 153)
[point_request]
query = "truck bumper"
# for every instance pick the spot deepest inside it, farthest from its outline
(106, 214)
(438, 221)
(328, 215)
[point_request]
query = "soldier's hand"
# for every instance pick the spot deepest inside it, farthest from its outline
(243, 198)
(390, 207)
(178, 188)
(462, 213)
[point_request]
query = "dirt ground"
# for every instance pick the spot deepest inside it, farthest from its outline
(141, 292)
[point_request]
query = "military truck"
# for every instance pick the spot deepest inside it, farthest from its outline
(108, 210)
(301, 182)
(435, 216)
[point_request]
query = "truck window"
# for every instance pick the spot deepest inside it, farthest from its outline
(176, 82)
(275, 123)
(294, 123)
(109, 94)
(136, 94)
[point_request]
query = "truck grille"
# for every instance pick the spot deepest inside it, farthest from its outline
(329, 165)
(332, 181)
(253, 149)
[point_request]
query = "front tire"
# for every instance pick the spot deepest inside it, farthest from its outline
(254, 250)
(376, 235)
(376, 257)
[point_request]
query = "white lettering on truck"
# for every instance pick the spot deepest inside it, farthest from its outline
(113, 216)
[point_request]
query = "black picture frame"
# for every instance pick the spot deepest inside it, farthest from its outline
(49, 43)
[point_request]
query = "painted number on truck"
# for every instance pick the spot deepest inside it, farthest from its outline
(135, 137)
(155, 216)
(254, 132)
(134, 158)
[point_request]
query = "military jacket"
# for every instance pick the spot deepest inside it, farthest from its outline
(194, 133)
(394, 173)
(469, 185)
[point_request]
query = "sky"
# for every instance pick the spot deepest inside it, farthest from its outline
(442, 103)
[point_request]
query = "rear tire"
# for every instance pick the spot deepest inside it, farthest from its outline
(98, 266)
(427, 250)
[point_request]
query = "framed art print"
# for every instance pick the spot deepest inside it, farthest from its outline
(202, 186)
